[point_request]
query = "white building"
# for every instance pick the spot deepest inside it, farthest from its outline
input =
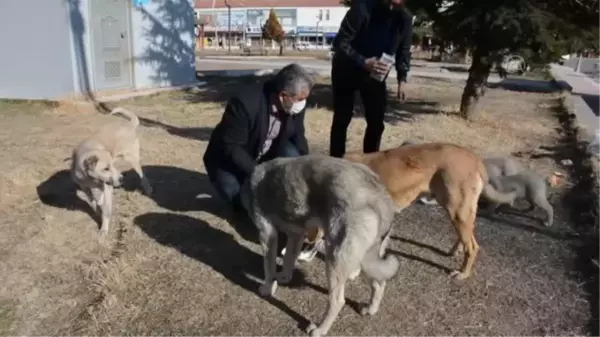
(311, 21)
(63, 49)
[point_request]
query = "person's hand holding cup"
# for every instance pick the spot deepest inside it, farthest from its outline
(374, 65)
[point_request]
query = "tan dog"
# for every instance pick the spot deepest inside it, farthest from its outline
(93, 164)
(455, 177)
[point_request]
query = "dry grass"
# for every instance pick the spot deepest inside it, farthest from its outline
(174, 266)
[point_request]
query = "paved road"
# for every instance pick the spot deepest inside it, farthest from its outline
(420, 69)
(238, 66)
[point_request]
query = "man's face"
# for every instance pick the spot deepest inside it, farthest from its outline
(294, 104)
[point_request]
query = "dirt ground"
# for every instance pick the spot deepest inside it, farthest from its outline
(173, 265)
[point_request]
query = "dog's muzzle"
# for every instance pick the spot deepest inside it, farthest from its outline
(117, 182)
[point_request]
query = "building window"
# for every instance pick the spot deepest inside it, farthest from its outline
(327, 15)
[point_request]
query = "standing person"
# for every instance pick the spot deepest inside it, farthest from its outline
(370, 28)
(260, 123)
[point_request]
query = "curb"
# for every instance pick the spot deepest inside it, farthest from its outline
(587, 121)
(559, 80)
(582, 198)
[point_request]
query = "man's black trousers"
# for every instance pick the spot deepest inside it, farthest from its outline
(346, 79)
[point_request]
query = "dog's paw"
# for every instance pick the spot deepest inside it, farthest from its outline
(268, 289)
(354, 275)
(102, 237)
(313, 330)
(284, 278)
(458, 275)
(367, 309)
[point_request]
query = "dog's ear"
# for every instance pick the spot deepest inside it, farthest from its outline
(90, 163)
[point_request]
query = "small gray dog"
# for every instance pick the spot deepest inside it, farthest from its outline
(498, 166)
(346, 200)
(528, 185)
(93, 164)
(506, 174)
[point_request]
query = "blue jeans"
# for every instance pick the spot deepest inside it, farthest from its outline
(228, 184)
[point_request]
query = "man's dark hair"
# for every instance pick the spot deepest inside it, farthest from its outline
(292, 80)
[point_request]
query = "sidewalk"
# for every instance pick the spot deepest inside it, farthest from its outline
(585, 95)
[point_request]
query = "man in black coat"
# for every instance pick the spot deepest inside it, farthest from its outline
(260, 123)
(369, 29)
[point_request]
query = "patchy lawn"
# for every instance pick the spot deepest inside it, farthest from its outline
(173, 265)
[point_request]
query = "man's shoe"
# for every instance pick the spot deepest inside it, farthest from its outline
(309, 251)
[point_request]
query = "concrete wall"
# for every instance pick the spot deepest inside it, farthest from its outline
(35, 62)
(163, 43)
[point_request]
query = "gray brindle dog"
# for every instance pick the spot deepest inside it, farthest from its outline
(346, 200)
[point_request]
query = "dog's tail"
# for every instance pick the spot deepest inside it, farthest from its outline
(377, 267)
(490, 192)
(130, 115)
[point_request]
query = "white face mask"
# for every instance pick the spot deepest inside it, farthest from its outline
(297, 107)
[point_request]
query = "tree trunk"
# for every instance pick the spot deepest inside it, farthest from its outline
(281, 49)
(478, 74)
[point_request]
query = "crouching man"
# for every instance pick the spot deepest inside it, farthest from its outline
(261, 122)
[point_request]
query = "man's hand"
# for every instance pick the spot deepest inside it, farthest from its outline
(372, 64)
(401, 95)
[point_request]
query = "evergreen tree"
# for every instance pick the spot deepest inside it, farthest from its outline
(272, 30)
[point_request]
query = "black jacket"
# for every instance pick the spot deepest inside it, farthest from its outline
(368, 30)
(236, 141)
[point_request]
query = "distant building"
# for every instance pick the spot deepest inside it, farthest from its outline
(307, 23)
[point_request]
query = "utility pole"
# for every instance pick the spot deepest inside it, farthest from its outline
(319, 19)
(579, 59)
(228, 26)
(262, 43)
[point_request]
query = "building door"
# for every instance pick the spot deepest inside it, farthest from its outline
(111, 44)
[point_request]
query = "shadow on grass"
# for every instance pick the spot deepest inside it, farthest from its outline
(397, 112)
(174, 188)
(216, 249)
(356, 306)
(420, 245)
(524, 85)
(59, 191)
(523, 221)
(182, 190)
(421, 260)
(196, 133)
(221, 89)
